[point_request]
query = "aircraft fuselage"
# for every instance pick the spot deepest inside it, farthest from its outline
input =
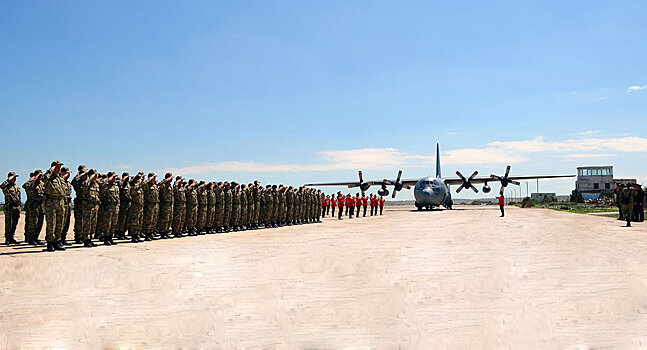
(431, 192)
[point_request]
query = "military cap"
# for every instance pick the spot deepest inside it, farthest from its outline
(31, 174)
(125, 174)
(256, 182)
(151, 175)
(56, 162)
(191, 181)
(82, 168)
(11, 175)
(168, 175)
(92, 171)
(201, 183)
(178, 178)
(111, 174)
(64, 170)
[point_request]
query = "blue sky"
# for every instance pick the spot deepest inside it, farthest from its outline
(296, 92)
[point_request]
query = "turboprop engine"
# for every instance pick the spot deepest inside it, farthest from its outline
(486, 188)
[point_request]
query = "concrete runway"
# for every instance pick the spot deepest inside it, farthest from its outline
(464, 278)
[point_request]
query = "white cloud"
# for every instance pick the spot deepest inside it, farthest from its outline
(590, 132)
(589, 155)
(480, 156)
(452, 133)
(618, 144)
(636, 88)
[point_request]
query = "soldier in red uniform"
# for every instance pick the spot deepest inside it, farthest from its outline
(381, 204)
(350, 204)
(333, 204)
(364, 204)
(373, 200)
(340, 204)
(324, 205)
(501, 204)
(358, 204)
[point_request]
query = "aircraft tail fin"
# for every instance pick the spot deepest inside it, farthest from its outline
(437, 160)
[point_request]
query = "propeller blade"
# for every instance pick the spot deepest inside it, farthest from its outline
(459, 189)
(515, 182)
(460, 175)
(394, 192)
(360, 177)
(474, 188)
(399, 176)
(473, 175)
(507, 171)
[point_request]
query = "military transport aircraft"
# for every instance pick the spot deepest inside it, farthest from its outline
(431, 192)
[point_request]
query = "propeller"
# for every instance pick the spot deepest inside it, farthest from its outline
(467, 183)
(363, 186)
(505, 181)
(397, 185)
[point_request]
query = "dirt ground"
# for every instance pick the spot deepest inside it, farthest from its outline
(464, 278)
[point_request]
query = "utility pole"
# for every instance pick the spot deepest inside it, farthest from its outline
(527, 192)
(537, 185)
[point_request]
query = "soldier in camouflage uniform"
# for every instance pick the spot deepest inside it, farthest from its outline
(282, 206)
(191, 207)
(34, 213)
(65, 173)
(289, 201)
(78, 202)
(234, 220)
(243, 207)
(151, 207)
(626, 199)
(319, 204)
(250, 207)
(179, 207)
(124, 206)
(275, 206)
(54, 187)
(256, 197)
(11, 207)
(100, 213)
(220, 207)
(165, 206)
(90, 193)
(268, 202)
(227, 210)
(203, 201)
(136, 209)
(211, 208)
(109, 196)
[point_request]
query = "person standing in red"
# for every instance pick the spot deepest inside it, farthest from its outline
(501, 204)
(324, 205)
(364, 204)
(358, 204)
(373, 205)
(381, 204)
(333, 204)
(340, 204)
(350, 204)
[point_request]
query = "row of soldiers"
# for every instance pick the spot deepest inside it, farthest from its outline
(108, 206)
(630, 199)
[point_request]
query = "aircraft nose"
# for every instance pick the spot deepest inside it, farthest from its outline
(427, 191)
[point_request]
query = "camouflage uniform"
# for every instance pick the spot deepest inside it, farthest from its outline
(136, 209)
(34, 213)
(179, 208)
(77, 181)
(151, 207)
(11, 208)
(234, 220)
(243, 207)
(166, 194)
(289, 203)
(203, 199)
(282, 206)
(109, 196)
(268, 202)
(124, 207)
(626, 200)
(227, 195)
(211, 207)
(68, 210)
(256, 194)
(54, 186)
(220, 207)
(250, 207)
(275, 207)
(191, 207)
(90, 210)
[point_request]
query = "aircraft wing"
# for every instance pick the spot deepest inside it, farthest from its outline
(348, 184)
(482, 179)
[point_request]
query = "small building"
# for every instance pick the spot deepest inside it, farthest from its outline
(596, 181)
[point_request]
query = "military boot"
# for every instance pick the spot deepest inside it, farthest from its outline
(88, 243)
(78, 240)
(64, 242)
(50, 247)
(58, 246)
